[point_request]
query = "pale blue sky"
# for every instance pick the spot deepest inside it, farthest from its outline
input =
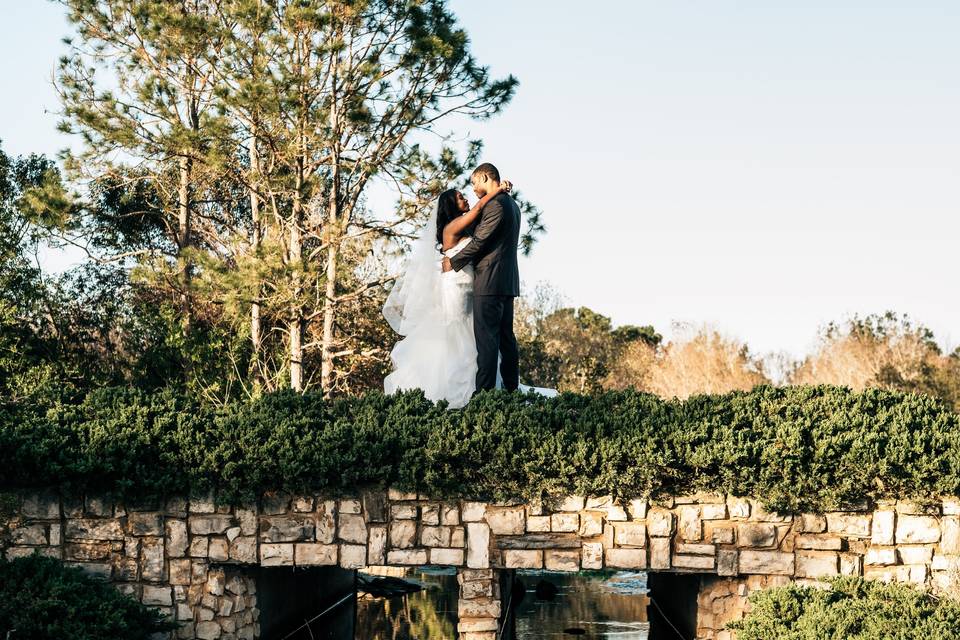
(762, 166)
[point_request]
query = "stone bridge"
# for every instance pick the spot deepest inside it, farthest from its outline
(199, 561)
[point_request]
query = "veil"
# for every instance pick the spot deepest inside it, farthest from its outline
(416, 293)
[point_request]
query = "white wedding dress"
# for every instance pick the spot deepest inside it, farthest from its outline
(433, 311)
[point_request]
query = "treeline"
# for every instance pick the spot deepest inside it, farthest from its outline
(793, 448)
(577, 349)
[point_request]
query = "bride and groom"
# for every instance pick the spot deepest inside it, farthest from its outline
(453, 304)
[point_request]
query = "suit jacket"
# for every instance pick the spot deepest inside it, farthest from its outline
(493, 249)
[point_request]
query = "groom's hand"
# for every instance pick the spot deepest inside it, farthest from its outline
(446, 264)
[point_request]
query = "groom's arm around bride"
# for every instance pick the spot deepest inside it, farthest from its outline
(493, 252)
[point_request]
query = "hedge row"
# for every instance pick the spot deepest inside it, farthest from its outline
(852, 609)
(794, 448)
(41, 598)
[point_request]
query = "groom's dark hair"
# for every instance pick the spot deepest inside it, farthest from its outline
(488, 170)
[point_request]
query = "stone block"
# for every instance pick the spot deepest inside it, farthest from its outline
(478, 608)
(591, 555)
(660, 523)
(473, 511)
(883, 527)
(849, 524)
(244, 550)
(157, 596)
(523, 559)
(180, 571)
(713, 511)
(915, 554)
(276, 555)
(817, 564)
(626, 558)
(699, 563)
(430, 514)
(403, 534)
(630, 534)
(878, 556)
(151, 560)
(950, 530)
(637, 509)
(377, 545)
(506, 520)
(89, 529)
(690, 526)
(561, 559)
(31, 534)
(404, 511)
(352, 527)
(407, 556)
(738, 507)
(696, 549)
(353, 556)
(766, 562)
(177, 539)
(472, 625)
(435, 536)
(811, 523)
(727, 562)
(591, 524)
(447, 557)
(753, 534)
(219, 550)
(41, 506)
(564, 522)
(309, 554)
(722, 535)
(819, 542)
(449, 514)
(851, 564)
(659, 553)
(205, 525)
(292, 528)
(538, 524)
(917, 529)
(145, 523)
(478, 545)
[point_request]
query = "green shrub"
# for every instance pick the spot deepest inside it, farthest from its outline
(42, 599)
(851, 609)
(794, 448)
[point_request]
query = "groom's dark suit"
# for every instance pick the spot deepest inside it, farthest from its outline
(493, 252)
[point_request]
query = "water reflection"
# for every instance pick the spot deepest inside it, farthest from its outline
(585, 605)
(429, 614)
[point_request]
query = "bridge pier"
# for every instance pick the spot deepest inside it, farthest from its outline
(482, 605)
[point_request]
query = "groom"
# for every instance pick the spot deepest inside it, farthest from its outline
(493, 252)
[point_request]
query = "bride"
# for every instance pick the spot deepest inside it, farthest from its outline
(433, 311)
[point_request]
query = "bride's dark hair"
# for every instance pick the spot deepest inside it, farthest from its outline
(447, 210)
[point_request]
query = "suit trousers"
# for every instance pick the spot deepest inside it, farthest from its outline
(493, 329)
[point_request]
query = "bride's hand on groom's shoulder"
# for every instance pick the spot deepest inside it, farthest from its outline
(506, 186)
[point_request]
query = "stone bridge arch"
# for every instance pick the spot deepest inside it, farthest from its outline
(193, 557)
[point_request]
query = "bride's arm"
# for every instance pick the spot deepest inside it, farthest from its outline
(456, 226)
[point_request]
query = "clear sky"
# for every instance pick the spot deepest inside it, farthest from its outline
(763, 166)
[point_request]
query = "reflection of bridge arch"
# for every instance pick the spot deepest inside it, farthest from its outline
(193, 558)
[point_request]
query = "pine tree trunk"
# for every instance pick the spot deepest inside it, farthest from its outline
(184, 222)
(333, 238)
(255, 324)
(295, 324)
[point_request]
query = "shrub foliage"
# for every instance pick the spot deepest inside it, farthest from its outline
(794, 448)
(42, 599)
(851, 609)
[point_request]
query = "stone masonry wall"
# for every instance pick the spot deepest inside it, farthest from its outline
(191, 557)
